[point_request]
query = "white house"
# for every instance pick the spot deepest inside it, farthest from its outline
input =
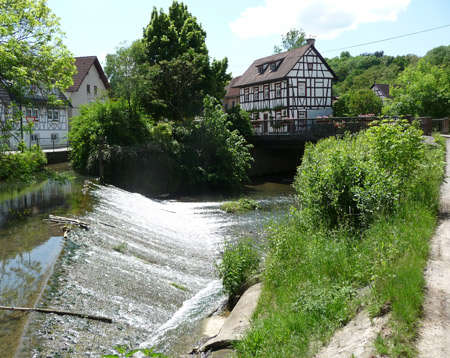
(88, 83)
(295, 84)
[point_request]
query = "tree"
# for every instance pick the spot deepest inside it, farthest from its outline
(127, 75)
(31, 48)
(425, 92)
(364, 101)
(112, 121)
(215, 156)
(357, 102)
(439, 56)
(180, 68)
(293, 39)
(33, 58)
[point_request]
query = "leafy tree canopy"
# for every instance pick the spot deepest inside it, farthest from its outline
(180, 73)
(293, 39)
(127, 74)
(425, 92)
(31, 48)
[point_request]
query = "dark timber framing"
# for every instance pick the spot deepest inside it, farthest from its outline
(274, 91)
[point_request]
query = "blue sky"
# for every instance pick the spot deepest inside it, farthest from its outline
(244, 30)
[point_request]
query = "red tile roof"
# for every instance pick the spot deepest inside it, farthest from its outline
(83, 65)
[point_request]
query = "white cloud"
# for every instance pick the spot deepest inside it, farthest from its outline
(319, 18)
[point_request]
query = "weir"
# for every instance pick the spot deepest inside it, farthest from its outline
(146, 264)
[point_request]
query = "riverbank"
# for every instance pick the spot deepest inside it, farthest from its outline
(317, 279)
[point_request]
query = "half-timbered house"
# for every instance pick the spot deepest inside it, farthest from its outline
(49, 122)
(295, 84)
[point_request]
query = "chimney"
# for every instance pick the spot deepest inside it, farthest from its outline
(310, 41)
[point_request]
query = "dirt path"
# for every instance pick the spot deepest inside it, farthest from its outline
(434, 335)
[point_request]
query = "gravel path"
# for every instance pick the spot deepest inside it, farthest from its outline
(434, 334)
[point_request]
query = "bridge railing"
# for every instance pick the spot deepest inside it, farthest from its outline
(320, 127)
(330, 126)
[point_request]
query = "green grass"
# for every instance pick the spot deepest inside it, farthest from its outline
(240, 206)
(315, 275)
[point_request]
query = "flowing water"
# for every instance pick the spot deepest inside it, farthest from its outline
(146, 264)
(28, 248)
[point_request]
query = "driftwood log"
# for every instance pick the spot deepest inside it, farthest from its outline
(64, 220)
(61, 313)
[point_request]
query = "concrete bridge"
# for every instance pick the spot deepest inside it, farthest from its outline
(278, 144)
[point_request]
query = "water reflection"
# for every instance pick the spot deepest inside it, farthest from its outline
(28, 248)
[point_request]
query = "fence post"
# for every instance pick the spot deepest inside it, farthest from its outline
(445, 126)
(428, 125)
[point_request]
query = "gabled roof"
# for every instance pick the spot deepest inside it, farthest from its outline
(37, 98)
(232, 91)
(384, 88)
(288, 60)
(83, 65)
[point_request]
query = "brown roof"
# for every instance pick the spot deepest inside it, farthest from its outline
(232, 91)
(289, 59)
(83, 65)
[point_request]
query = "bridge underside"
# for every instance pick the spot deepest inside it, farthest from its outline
(274, 156)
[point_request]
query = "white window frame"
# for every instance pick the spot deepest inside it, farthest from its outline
(278, 90)
(301, 89)
(53, 115)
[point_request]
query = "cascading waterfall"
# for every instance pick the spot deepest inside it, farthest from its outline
(147, 264)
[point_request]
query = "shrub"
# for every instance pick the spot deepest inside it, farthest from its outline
(112, 120)
(240, 206)
(22, 166)
(239, 262)
(349, 180)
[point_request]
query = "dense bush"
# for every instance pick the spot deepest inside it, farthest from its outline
(351, 180)
(22, 166)
(114, 121)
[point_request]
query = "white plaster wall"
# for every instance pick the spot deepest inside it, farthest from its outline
(81, 96)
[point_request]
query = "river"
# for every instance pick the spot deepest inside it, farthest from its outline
(147, 264)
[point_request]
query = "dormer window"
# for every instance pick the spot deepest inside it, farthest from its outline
(260, 70)
(273, 66)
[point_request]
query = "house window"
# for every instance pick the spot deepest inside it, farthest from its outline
(88, 89)
(302, 89)
(54, 136)
(246, 95)
(53, 115)
(95, 90)
(256, 94)
(310, 66)
(278, 90)
(301, 115)
(273, 66)
(35, 138)
(278, 115)
(260, 70)
(266, 92)
(32, 112)
(233, 104)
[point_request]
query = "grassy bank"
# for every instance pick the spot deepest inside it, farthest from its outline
(359, 238)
